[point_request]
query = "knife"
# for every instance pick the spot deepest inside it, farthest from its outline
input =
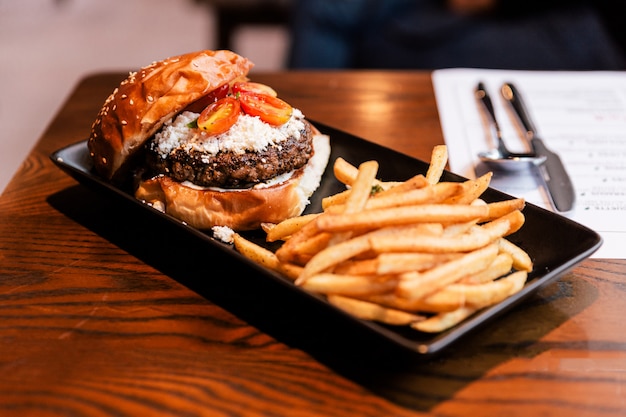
(557, 180)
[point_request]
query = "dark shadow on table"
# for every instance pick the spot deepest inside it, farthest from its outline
(407, 379)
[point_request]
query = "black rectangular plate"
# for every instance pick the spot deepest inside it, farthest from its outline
(555, 243)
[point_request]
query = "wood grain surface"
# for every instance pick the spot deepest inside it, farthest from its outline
(101, 312)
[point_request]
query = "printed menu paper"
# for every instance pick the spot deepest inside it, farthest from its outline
(579, 115)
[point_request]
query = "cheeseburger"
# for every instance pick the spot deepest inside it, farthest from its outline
(198, 140)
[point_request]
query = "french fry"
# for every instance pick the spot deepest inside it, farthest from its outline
(473, 190)
(361, 187)
(501, 208)
(291, 271)
(518, 279)
(423, 253)
(353, 285)
(425, 195)
(255, 252)
(521, 259)
(515, 220)
(331, 256)
(443, 321)
(335, 199)
(394, 216)
(413, 183)
(478, 202)
(418, 229)
(344, 171)
(415, 285)
(474, 295)
(399, 263)
(384, 190)
(314, 245)
(420, 305)
(358, 267)
(286, 252)
(457, 229)
(500, 266)
(455, 296)
(360, 193)
(394, 263)
(288, 227)
(438, 161)
(371, 311)
(477, 238)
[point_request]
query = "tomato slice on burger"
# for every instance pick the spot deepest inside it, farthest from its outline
(270, 109)
(200, 104)
(250, 87)
(218, 117)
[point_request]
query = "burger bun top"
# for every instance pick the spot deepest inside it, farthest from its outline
(146, 99)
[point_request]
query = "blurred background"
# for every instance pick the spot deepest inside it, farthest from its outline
(47, 46)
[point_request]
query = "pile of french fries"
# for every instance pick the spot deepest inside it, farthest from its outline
(421, 253)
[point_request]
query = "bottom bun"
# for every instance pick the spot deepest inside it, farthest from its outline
(246, 209)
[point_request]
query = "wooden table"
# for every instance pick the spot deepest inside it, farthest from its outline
(98, 317)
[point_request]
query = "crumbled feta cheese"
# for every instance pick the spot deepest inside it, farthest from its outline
(248, 133)
(223, 233)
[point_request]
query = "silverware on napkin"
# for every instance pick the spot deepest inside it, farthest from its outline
(557, 180)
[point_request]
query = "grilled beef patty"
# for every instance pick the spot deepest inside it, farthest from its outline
(233, 170)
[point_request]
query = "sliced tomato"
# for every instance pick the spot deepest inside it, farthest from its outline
(270, 109)
(250, 87)
(201, 104)
(218, 117)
